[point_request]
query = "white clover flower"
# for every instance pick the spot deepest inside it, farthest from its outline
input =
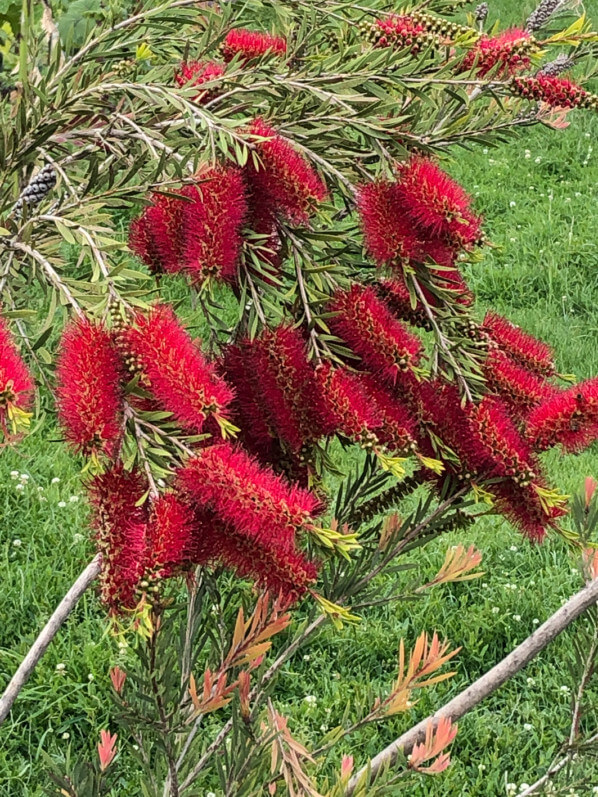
(538, 159)
(60, 667)
(14, 474)
(66, 735)
(19, 486)
(17, 543)
(511, 788)
(565, 689)
(528, 154)
(531, 682)
(25, 477)
(73, 499)
(527, 726)
(62, 504)
(55, 480)
(535, 621)
(517, 618)
(78, 537)
(495, 610)
(512, 204)
(40, 489)
(307, 657)
(311, 700)
(323, 728)
(481, 767)
(514, 548)
(90, 676)
(532, 583)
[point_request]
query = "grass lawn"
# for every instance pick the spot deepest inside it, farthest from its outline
(539, 194)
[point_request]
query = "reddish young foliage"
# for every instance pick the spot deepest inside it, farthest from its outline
(16, 383)
(569, 418)
(522, 347)
(351, 409)
(89, 393)
(196, 73)
(120, 528)
(284, 183)
(368, 327)
(520, 389)
(170, 535)
(173, 368)
(506, 53)
(437, 204)
(557, 92)
(250, 498)
(252, 44)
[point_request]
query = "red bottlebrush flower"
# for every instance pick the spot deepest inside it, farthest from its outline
(120, 528)
(522, 506)
(212, 219)
(397, 429)
(16, 383)
(196, 73)
(285, 182)
(522, 347)
(396, 295)
(284, 572)
(506, 53)
(155, 236)
(390, 236)
(437, 204)
(288, 387)
(170, 535)
(174, 369)
(366, 324)
(520, 389)
(509, 453)
(353, 413)
(398, 30)
(198, 233)
(250, 498)
(89, 395)
(569, 418)
(268, 249)
(558, 92)
(252, 44)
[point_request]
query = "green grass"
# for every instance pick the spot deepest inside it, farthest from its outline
(540, 210)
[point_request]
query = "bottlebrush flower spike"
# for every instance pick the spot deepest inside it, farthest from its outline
(397, 429)
(89, 395)
(396, 295)
(531, 353)
(106, 749)
(248, 497)
(174, 369)
(398, 30)
(212, 219)
(288, 387)
(508, 452)
(525, 507)
(354, 414)
(558, 92)
(16, 384)
(252, 44)
(196, 73)
(569, 418)
(437, 204)
(121, 530)
(517, 387)
(368, 327)
(170, 535)
(390, 236)
(156, 236)
(284, 183)
(506, 53)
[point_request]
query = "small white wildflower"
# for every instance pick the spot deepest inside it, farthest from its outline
(532, 583)
(90, 676)
(136, 747)
(512, 204)
(511, 788)
(328, 710)
(481, 767)
(491, 161)
(60, 667)
(565, 689)
(19, 486)
(528, 154)
(485, 150)
(517, 618)
(495, 610)
(587, 135)
(40, 489)
(535, 621)
(531, 682)
(527, 726)
(14, 474)
(25, 477)
(307, 657)
(17, 543)
(538, 159)
(595, 789)
(512, 240)
(78, 537)
(336, 676)
(514, 548)
(567, 199)
(323, 727)
(55, 480)
(73, 499)
(66, 735)
(311, 700)
(62, 504)
(578, 193)
(484, 584)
